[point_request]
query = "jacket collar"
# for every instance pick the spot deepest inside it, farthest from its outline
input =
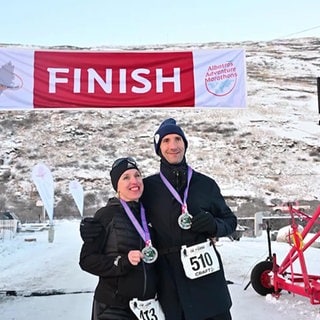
(175, 173)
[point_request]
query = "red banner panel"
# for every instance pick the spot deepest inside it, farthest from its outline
(113, 79)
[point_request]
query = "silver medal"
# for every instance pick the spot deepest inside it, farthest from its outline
(184, 220)
(150, 254)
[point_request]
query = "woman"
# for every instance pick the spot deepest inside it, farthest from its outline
(123, 256)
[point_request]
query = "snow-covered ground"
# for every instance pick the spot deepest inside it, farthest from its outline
(31, 267)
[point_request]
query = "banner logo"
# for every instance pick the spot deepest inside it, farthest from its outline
(9, 80)
(221, 79)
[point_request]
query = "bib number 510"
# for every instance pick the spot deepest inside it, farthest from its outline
(199, 260)
(202, 261)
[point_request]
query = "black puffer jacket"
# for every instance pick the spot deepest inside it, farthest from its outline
(107, 257)
(200, 298)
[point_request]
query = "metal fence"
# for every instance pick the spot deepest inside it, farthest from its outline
(8, 229)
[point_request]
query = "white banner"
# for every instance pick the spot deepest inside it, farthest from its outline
(42, 178)
(76, 191)
(59, 79)
(220, 78)
(16, 79)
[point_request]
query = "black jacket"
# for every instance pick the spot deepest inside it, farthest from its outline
(107, 257)
(203, 297)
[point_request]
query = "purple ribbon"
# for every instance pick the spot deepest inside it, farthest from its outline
(175, 193)
(144, 230)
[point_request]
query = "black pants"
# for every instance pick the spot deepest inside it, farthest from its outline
(223, 316)
(101, 311)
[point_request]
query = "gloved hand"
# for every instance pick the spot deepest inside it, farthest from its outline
(90, 229)
(204, 222)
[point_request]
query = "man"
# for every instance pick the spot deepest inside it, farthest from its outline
(186, 210)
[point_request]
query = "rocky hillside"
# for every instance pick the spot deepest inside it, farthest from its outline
(265, 153)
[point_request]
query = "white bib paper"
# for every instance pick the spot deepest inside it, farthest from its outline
(147, 309)
(199, 260)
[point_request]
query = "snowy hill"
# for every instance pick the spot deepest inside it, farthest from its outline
(269, 151)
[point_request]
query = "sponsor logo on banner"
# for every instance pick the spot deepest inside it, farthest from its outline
(16, 79)
(9, 80)
(221, 79)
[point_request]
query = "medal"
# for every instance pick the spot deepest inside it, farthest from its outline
(150, 253)
(184, 220)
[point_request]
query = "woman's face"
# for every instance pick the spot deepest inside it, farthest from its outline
(130, 185)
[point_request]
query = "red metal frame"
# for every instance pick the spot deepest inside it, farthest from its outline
(282, 276)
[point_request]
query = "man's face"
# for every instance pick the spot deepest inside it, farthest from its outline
(172, 148)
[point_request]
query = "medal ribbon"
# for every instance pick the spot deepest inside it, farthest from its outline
(144, 230)
(175, 193)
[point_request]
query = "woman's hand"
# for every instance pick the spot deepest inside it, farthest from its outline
(135, 257)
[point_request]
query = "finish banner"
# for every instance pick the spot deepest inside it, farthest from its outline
(48, 79)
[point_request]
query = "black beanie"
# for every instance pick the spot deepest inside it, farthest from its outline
(119, 167)
(166, 127)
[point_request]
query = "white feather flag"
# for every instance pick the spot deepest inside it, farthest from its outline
(76, 190)
(42, 178)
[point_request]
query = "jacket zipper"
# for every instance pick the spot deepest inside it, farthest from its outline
(145, 277)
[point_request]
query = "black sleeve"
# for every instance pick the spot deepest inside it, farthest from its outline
(226, 220)
(94, 260)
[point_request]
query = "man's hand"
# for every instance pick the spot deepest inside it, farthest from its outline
(204, 222)
(90, 229)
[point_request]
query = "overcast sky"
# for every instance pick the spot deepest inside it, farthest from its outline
(127, 22)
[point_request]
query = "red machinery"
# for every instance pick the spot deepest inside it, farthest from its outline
(270, 277)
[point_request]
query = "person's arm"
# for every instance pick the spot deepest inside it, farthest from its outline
(218, 220)
(95, 261)
(226, 220)
(90, 229)
(93, 256)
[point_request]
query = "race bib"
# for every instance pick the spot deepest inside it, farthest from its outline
(147, 309)
(199, 260)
